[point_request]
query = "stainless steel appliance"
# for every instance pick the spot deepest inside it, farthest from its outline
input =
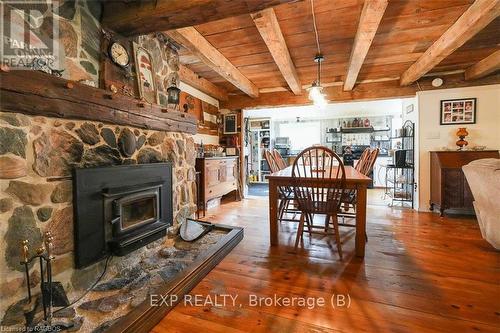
(282, 145)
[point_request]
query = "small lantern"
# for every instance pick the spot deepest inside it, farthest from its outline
(173, 93)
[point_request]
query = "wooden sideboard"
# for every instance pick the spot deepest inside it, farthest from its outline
(449, 188)
(218, 176)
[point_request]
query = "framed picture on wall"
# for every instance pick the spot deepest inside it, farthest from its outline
(230, 124)
(145, 74)
(458, 111)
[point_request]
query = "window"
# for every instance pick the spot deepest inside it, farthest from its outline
(302, 134)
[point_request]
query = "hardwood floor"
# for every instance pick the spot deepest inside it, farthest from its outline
(421, 273)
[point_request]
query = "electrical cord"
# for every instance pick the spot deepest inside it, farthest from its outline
(315, 27)
(91, 287)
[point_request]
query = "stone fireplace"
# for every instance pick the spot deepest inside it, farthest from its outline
(42, 143)
(37, 158)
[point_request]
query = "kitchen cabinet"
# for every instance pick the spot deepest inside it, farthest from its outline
(218, 176)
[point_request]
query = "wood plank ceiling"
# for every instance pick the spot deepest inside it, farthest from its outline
(407, 29)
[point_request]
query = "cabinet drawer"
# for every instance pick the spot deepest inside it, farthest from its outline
(219, 190)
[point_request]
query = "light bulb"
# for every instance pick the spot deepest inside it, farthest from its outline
(320, 101)
(314, 93)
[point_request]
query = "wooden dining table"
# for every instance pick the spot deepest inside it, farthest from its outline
(354, 180)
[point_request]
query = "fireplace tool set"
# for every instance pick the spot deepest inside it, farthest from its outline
(52, 293)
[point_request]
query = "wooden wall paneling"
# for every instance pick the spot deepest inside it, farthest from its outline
(191, 104)
(210, 114)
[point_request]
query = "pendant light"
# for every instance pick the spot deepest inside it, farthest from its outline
(316, 90)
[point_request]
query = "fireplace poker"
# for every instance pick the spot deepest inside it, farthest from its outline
(25, 262)
(48, 246)
(40, 251)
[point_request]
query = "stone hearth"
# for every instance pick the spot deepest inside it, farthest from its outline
(128, 282)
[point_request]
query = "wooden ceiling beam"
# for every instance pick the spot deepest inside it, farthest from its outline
(371, 15)
(270, 31)
(473, 20)
(362, 91)
(188, 76)
(133, 18)
(195, 42)
(484, 67)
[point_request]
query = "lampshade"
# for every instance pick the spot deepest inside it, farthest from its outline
(173, 95)
(462, 131)
(316, 90)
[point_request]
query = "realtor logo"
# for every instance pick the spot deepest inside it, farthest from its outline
(29, 35)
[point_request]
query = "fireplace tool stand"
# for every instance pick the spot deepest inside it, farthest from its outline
(52, 293)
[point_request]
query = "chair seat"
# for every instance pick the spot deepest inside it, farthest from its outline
(319, 207)
(348, 197)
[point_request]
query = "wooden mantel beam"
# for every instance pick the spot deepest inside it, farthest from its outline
(486, 66)
(188, 76)
(194, 41)
(473, 20)
(268, 26)
(133, 18)
(371, 15)
(40, 94)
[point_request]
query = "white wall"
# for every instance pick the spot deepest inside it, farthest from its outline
(198, 138)
(332, 110)
(433, 136)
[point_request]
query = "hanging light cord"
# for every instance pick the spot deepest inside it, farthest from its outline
(317, 43)
(315, 27)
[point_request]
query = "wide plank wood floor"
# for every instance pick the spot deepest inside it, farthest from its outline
(421, 273)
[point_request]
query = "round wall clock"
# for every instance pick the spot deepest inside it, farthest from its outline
(119, 54)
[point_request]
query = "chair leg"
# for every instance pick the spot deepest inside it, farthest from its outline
(309, 226)
(300, 229)
(337, 234)
(280, 209)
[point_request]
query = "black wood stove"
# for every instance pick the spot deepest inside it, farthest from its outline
(119, 209)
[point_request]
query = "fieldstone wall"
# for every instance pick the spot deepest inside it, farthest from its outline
(79, 39)
(36, 153)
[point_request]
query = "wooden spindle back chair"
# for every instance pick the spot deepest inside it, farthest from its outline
(363, 160)
(279, 159)
(324, 195)
(370, 162)
(285, 192)
(349, 197)
(273, 166)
